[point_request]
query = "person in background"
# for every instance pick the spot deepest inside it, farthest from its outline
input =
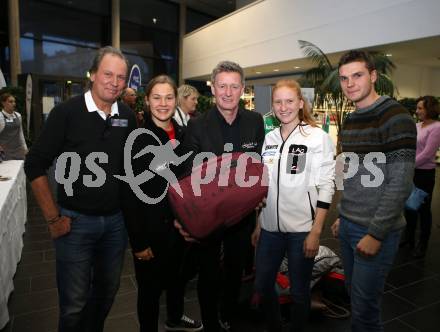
(270, 122)
(129, 98)
(299, 158)
(12, 141)
(186, 104)
(156, 244)
(381, 135)
(428, 142)
(86, 223)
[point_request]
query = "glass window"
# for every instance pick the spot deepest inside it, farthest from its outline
(151, 13)
(101, 7)
(44, 57)
(61, 37)
(145, 65)
(60, 24)
(166, 45)
(154, 50)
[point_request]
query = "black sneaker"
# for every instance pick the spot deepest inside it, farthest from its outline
(419, 252)
(225, 326)
(185, 324)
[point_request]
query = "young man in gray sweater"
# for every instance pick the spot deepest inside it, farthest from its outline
(379, 140)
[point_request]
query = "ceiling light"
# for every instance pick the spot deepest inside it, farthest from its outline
(388, 54)
(276, 70)
(296, 67)
(208, 83)
(258, 72)
(154, 20)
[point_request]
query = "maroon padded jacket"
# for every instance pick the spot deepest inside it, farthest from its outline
(238, 183)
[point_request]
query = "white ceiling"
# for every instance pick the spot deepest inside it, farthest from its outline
(422, 52)
(216, 8)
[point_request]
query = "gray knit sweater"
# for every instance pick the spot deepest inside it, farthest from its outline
(375, 196)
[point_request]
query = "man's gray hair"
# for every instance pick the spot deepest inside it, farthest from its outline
(228, 67)
(102, 52)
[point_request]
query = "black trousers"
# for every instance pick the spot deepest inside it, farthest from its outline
(425, 180)
(163, 272)
(219, 282)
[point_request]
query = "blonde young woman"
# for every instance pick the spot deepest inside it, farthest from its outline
(299, 157)
(186, 104)
(12, 141)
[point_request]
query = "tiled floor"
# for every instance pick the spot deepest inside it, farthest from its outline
(411, 301)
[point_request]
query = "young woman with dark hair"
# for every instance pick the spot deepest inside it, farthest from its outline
(428, 142)
(157, 245)
(12, 141)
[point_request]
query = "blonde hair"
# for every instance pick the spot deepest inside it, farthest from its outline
(304, 114)
(184, 91)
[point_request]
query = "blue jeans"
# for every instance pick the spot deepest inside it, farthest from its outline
(271, 249)
(88, 263)
(365, 276)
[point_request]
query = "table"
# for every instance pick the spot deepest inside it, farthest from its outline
(13, 215)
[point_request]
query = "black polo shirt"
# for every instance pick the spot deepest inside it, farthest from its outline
(230, 132)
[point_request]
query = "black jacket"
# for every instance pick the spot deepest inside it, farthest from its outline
(71, 128)
(149, 225)
(203, 133)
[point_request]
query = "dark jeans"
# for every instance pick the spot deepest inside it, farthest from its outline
(425, 180)
(271, 249)
(89, 262)
(219, 289)
(365, 276)
(163, 272)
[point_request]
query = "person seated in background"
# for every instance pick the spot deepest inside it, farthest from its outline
(300, 193)
(186, 104)
(12, 141)
(158, 248)
(428, 142)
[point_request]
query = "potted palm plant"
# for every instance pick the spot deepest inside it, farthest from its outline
(325, 79)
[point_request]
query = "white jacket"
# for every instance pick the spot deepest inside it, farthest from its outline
(301, 178)
(181, 117)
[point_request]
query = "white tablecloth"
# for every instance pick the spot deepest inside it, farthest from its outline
(13, 215)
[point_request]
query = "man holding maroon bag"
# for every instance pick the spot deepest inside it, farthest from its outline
(224, 128)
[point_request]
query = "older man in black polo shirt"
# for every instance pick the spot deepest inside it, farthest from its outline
(224, 124)
(86, 224)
